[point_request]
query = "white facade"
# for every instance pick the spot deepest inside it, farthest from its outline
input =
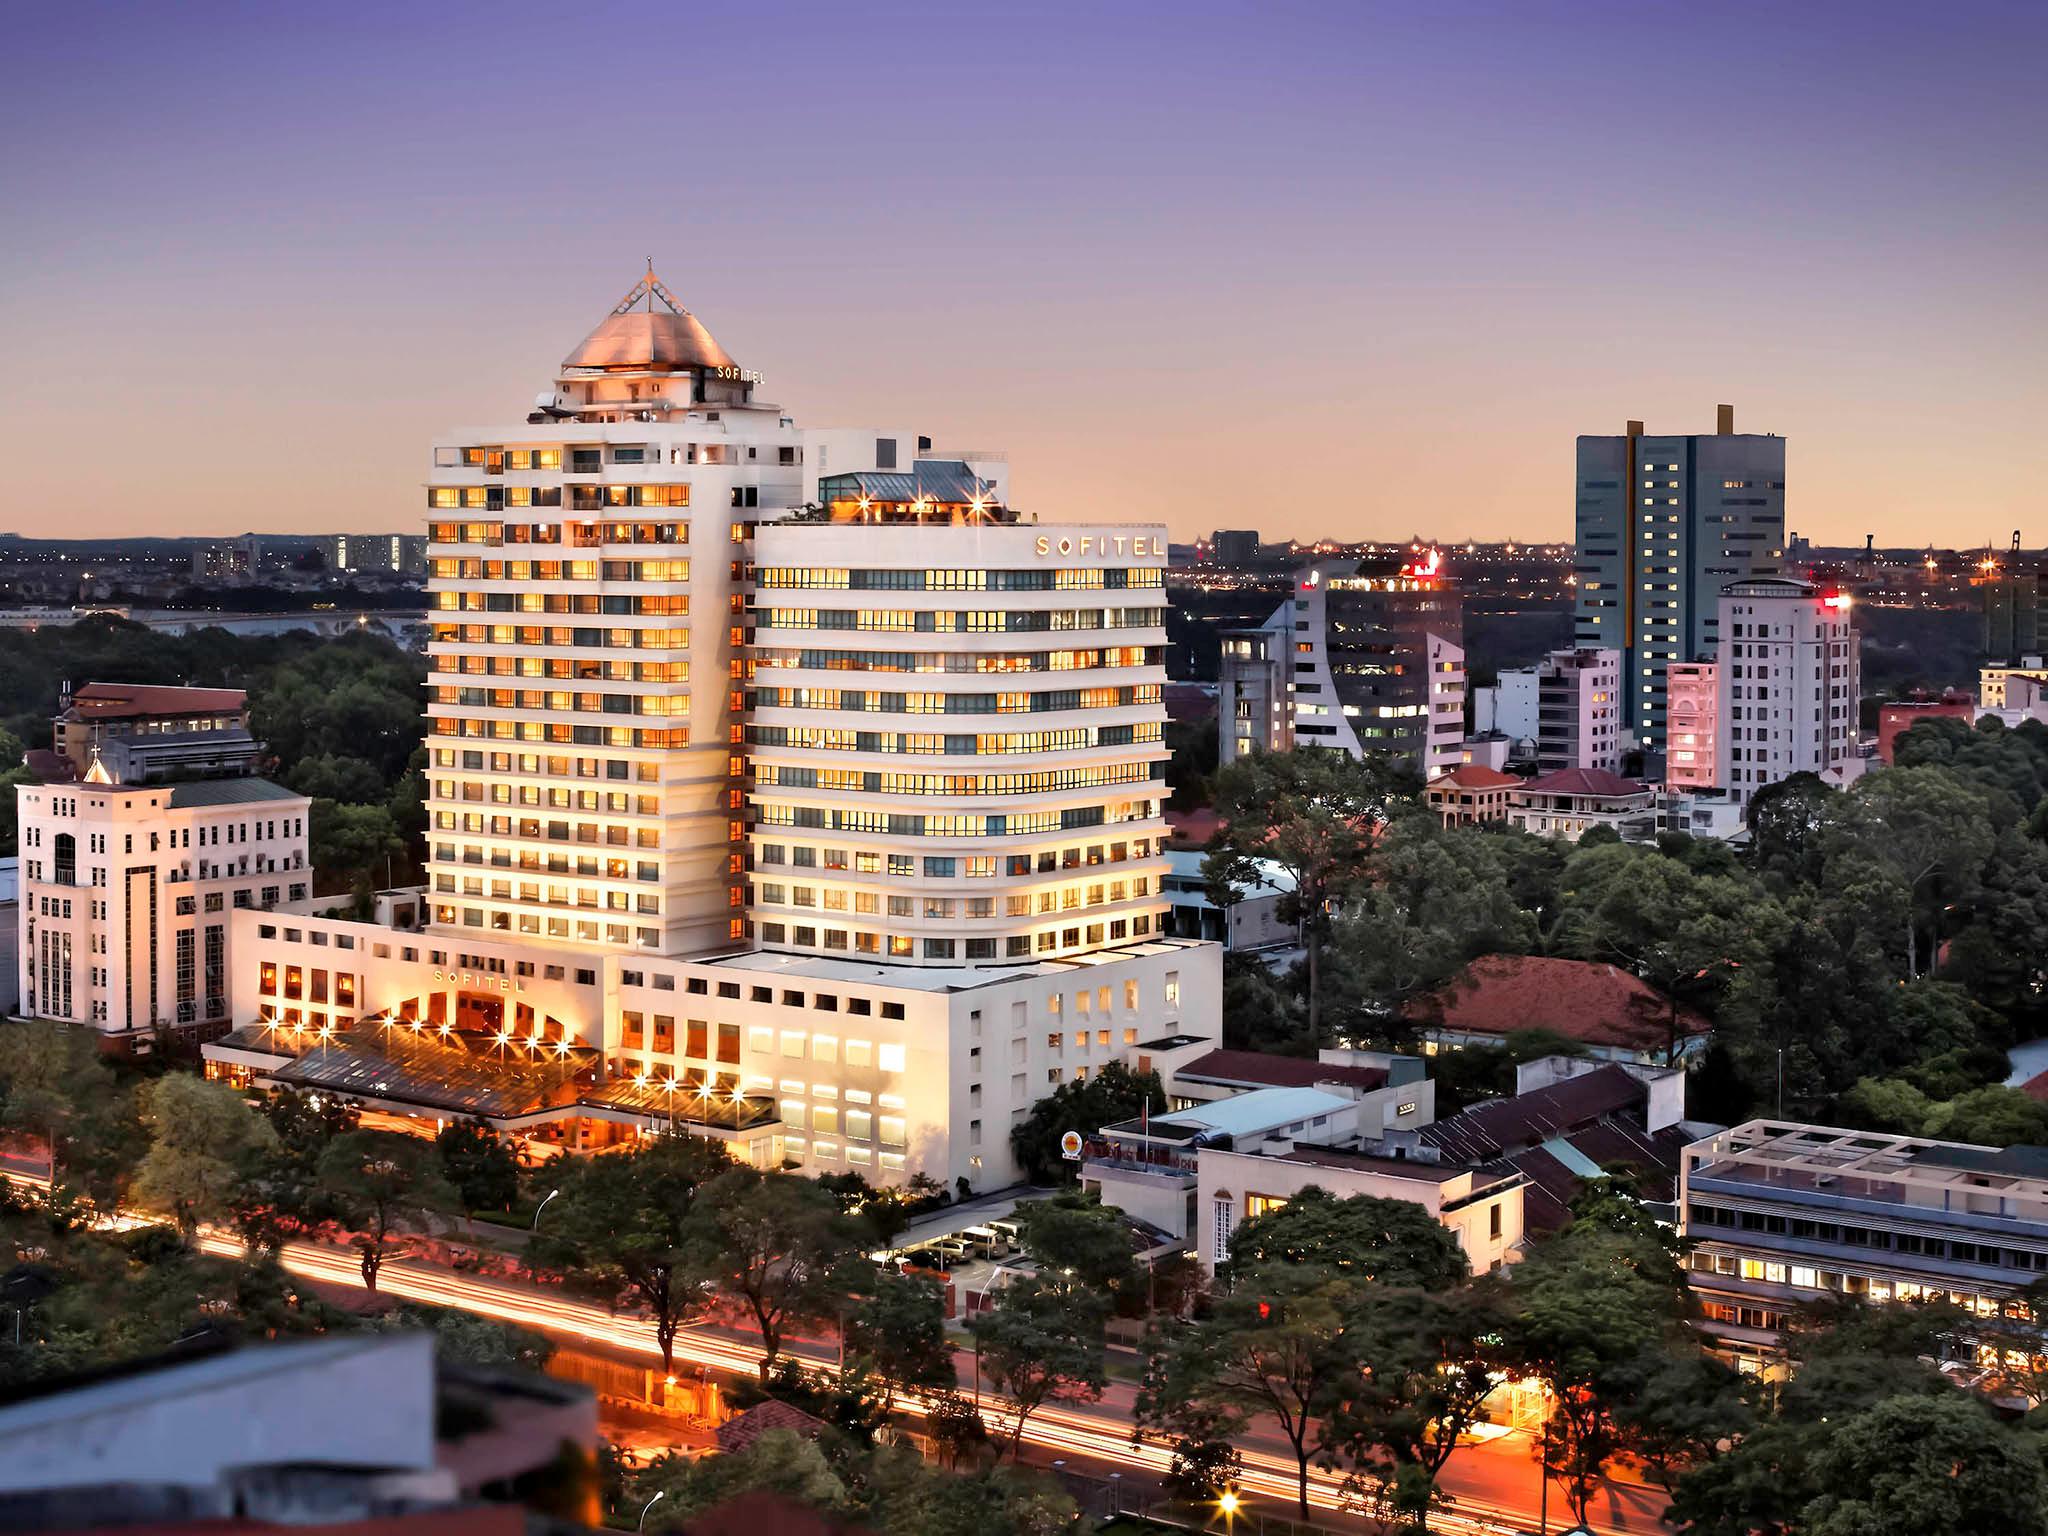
(1379, 664)
(127, 889)
(1789, 682)
(786, 787)
(955, 741)
(1579, 710)
(1513, 699)
(1481, 1208)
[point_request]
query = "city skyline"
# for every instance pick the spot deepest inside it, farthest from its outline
(1380, 240)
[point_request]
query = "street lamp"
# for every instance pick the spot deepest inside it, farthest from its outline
(645, 1507)
(541, 1207)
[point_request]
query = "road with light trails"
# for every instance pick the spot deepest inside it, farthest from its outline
(1493, 1485)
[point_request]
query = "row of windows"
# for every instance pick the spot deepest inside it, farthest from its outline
(557, 767)
(904, 866)
(840, 579)
(588, 535)
(579, 498)
(551, 831)
(1044, 903)
(446, 569)
(987, 744)
(616, 639)
(1018, 946)
(957, 784)
(1809, 1277)
(654, 605)
(872, 701)
(587, 865)
(561, 701)
(583, 931)
(963, 661)
(568, 668)
(577, 735)
(897, 824)
(1958, 1250)
(557, 895)
(564, 799)
(978, 621)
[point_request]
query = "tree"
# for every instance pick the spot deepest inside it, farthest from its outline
(1041, 1345)
(1994, 1116)
(956, 1426)
(1591, 1305)
(1687, 935)
(1085, 1105)
(1788, 826)
(897, 1331)
(55, 1087)
(1426, 1366)
(1681, 1410)
(203, 1136)
(1079, 1244)
(350, 843)
(772, 1240)
(282, 1195)
(1360, 1238)
(479, 1166)
(1315, 814)
(1935, 1468)
(780, 1461)
(1931, 832)
(1273, 1343)
(621, 1230)
(1439, 897)
(386, 1184)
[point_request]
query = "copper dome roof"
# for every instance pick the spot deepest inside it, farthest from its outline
(662, 337)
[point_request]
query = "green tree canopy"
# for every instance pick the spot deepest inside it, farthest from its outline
(771, 1241)
(1315, 814)
(621, 1229)
(203, 1139)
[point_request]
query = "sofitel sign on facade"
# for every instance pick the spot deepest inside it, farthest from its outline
(1138, 546)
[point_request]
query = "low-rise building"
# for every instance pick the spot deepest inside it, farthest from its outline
(1253, 921)
(1612, 1014)
(151, 831)
(1482, 1206)
(1896, 718)
(1570, 803)
(1780, 1214)
(1393, 1091)
(276, 1434)
(1570, 1121)
(1471, 794)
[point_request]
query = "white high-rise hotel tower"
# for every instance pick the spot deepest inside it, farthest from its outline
(783, 783)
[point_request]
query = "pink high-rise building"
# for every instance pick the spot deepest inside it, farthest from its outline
(1693, 715)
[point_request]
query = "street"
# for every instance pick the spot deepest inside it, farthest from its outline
(1494, 1483)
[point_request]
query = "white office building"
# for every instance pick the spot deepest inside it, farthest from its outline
(1579, 710)
(820, 812)
(1789, 680)
(128, 891)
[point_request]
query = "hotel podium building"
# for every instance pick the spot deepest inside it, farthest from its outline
(818, 813)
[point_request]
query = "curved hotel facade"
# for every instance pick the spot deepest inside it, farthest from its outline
(787, 787)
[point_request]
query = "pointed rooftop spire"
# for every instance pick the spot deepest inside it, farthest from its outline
(669, 339)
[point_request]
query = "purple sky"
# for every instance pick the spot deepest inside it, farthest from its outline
(1349, 269)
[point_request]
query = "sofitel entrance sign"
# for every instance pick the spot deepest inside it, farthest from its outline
(1104, 546)
(478, 981)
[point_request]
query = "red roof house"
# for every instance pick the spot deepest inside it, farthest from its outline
(1616, 1016)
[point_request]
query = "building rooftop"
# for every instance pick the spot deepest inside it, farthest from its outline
(949, 482)
(1583, 1000)
(1870, 1164)
(242, 791)
(659, 337)
(1263, 1069)
(1585, 781)
(1488, 1131)
(1254, 1113)
(133, 701)
(1474, 776)
(1421, 1170)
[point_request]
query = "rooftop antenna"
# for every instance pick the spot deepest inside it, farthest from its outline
(650, 285)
